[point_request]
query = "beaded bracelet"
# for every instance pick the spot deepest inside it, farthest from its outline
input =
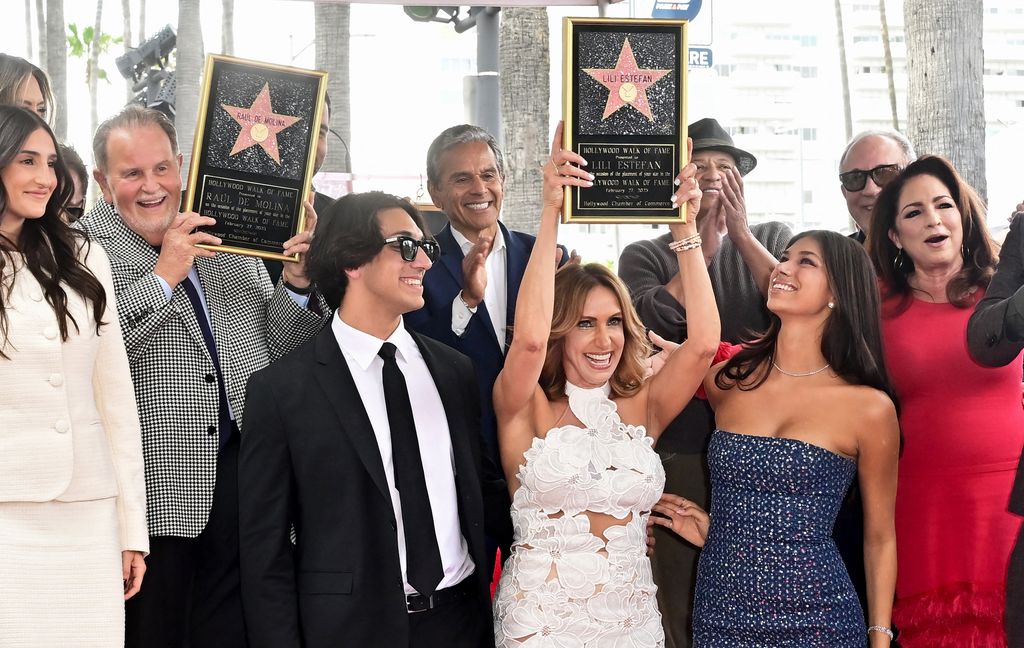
(886, 631)
(688, 243)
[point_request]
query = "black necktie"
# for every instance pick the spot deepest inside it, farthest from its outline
(423, 558)
(224, 426)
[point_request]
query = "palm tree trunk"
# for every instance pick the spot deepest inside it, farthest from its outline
(945, 93)
(28, 31)
(228, 27)
(524, 63)
(56, 57)
(843, 72)
(142, 20)
(41, 29)
(126, 18)
(888, 65)
(332, 56)
(187, 74)
(93, 69)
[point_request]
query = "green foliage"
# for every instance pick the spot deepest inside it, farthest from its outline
(81, 46)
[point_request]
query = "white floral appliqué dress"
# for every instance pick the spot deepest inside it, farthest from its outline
(564, 587)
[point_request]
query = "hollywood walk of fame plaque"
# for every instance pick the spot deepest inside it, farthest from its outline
(624, 107)
(254, 153)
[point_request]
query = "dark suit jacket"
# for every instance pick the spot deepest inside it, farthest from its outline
(440, 286)
(995, 333)
(309, 458)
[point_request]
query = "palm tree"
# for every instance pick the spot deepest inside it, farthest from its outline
(945, 92)
(188, 70)
(227, 39)
(524, 63)
(56, 56)
(44, 33)
(126, 30)
(332, 56)
(94, 66)
(843, 72)
(888, 65)
(28, 31)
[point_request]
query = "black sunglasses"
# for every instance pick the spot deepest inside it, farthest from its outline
(407, 245)
(881, 175)
(74, 213)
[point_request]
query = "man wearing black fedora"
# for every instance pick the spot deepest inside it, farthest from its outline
(740, 259)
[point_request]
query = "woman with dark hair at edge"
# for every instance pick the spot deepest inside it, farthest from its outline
(577, 421)
(800, 411)
(24, 84)
(72, 497)
(962, 423)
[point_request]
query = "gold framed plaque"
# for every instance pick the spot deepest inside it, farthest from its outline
(254, 153)
(624, 111)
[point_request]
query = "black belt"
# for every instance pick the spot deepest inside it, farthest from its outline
(420, 603)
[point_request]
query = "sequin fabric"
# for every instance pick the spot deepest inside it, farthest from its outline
(770, 574)
(564, 587)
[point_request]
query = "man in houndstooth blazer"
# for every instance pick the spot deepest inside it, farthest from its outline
(190, 448)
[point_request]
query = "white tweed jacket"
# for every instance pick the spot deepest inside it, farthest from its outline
(175, 381)
(69, 429)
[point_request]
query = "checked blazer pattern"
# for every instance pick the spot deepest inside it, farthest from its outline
(253, 324)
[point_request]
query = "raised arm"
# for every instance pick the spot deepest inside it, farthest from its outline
(878, 454)
(758, 259)
(672, 387)
(517, 382)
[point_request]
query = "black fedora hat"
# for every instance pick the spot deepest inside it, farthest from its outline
(708, 135)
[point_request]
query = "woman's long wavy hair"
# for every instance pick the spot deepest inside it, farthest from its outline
(852, 339)
(50, 248)
(979, 251)
(572, 285)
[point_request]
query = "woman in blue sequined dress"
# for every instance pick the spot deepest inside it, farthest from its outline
(577, 421)
(800, 412)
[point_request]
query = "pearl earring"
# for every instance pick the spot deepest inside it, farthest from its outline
(831, 305)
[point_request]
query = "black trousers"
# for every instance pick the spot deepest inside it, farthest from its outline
(190, 595)
(459, 624)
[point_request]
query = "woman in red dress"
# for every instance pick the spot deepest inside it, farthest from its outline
(962, 423)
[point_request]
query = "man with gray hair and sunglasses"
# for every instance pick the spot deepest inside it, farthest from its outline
(871, 159)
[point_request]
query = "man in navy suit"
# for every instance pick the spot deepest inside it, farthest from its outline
(470, 293)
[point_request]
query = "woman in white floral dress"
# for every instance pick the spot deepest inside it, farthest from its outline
(577, 421)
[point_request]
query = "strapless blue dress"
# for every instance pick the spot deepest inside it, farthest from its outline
(770, 575)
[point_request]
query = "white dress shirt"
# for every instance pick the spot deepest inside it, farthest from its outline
(360, 352)
(495, 293)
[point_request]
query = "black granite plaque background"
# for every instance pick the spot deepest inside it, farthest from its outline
(652, 51)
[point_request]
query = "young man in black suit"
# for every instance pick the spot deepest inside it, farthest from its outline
(367, 441)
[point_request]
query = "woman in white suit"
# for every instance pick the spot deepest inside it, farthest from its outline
(72, 495)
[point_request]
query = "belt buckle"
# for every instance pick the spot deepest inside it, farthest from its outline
(429, 606)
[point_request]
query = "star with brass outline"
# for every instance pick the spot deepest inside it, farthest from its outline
(627, 83)
(260, 125)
